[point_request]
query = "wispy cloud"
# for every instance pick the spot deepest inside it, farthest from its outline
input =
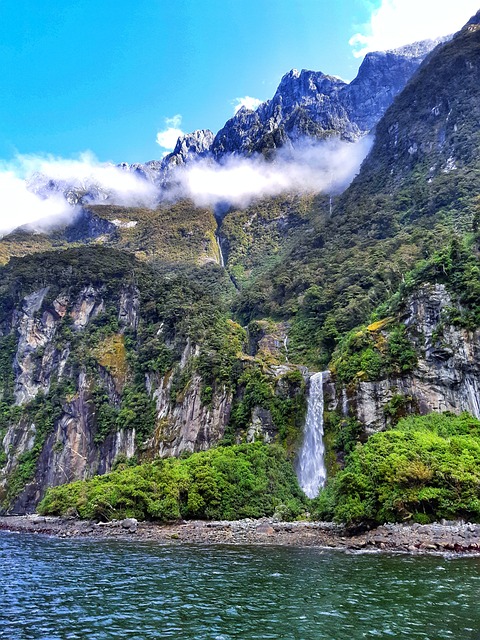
(394, 23)
(36, 190)
(32, 188)
(21, 207)
(246, 101)
(310, 167)
(167, 138)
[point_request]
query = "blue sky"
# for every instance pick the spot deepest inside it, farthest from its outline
(104, 75)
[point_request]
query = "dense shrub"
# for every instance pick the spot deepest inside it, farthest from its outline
(373, 352)
(240, 481)
(424, 469)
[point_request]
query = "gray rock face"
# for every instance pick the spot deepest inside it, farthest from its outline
(187, 424)
(307, 104)
(474, 21)
(44, 186)
(312, 104)
(447, 377)
(189, 146)
(71, 450)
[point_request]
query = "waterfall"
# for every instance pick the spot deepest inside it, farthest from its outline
(473, 395)
(311, 470)
(220, 254)
(344, 402)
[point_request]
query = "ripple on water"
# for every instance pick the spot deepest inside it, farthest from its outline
(97, 590)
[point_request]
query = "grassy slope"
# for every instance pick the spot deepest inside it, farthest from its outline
(179, 232)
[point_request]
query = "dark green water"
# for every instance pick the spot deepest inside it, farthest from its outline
(57, 589)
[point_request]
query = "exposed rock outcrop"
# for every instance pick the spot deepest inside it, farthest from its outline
(447, 377)
(313, 104)
(62, 439)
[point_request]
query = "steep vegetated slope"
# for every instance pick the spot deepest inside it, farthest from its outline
(416, 190)
(174, 233)
(400, 254)
(135, 342)
(252, 239)
(106, 358)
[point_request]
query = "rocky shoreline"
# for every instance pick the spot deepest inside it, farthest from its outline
(447, 537)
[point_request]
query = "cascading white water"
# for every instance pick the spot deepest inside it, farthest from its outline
(311, 470)
(220, 253)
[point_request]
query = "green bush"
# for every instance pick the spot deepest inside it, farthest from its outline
(284, 398)
(370, 353)
(240, 481)
(424, 469)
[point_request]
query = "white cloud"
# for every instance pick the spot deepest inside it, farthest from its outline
(311, 167)
(248, 102)
(394, 23)
(32, 187)
(167, 138)
(20, 206)
(28, 198)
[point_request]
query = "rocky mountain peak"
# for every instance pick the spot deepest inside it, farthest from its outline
(306, 104)
(313, 104)
(302, 86)
(418, 49)
(198, 141)
(191, 145)
(474, 22)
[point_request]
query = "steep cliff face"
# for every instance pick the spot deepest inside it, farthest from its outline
(111, 361)
(67, 371)
(55, 437)
(184, 422)
(446, 377)
(191, 146)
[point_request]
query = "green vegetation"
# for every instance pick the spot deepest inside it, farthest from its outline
(284, 404)
(255, 236)
(424, 469)
(8, 347)
(177, 233)
(370, 353)
(457, 266)
(342, 284)
(174, 307)
(174, 234)
(43, 412)
(405, 206)
(225, 483)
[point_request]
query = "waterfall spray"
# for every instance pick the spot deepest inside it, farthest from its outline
(311, 470)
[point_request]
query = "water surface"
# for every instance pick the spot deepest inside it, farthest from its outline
(83, 589)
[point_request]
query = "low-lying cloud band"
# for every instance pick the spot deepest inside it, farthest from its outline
(42, 191)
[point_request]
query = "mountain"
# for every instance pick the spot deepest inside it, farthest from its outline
(156, 332)
(417, 186)
(306, 105)
(402, 244)
(312, 104)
